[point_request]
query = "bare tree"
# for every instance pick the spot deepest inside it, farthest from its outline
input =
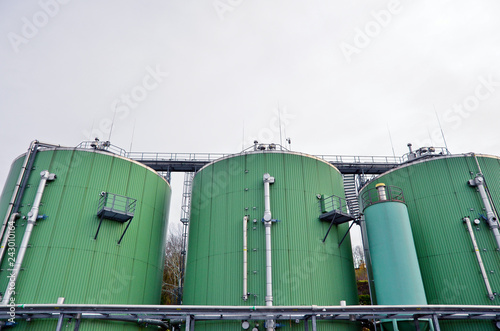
(358, 256)
(172, 273)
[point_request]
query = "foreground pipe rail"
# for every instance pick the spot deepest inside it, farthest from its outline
(160, 314)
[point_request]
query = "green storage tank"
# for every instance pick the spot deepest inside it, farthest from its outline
(65, 257)
(438, 196)
(396, 273)
(305, 270)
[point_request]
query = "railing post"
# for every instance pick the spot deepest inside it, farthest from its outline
(313, 322)
(435, 323)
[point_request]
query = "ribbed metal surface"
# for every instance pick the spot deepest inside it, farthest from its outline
(396, 272)
(64, 260)
(305, 270)
(438, 197)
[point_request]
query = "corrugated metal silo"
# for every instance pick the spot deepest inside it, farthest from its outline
(305, 270)
(64, 257)
(440, 194)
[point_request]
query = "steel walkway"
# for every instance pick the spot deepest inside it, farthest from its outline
(192, 162)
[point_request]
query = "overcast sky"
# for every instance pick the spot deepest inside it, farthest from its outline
(208, 76)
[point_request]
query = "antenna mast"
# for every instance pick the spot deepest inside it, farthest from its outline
(441, 128)
(392, 145)
(279, 120)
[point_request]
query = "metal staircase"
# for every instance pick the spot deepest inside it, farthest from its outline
(351, 194)
(185, 214)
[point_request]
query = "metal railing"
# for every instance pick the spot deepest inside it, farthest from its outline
(331, 203)
(102, 146)
(209, 157)
(152, 156)
(361, 159)
(118, 203)
(425, 152)
(371, 196)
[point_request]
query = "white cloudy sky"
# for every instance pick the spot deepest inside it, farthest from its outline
(343, 73)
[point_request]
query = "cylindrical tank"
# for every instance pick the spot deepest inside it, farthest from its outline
(305, 270)
(438, 196)
(64, 259)
(396, 273)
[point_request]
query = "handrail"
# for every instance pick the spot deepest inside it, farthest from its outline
(331, 203)
(210, 157)
(371, 196)
(443, 312)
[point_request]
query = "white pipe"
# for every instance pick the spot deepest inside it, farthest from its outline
(14, 196)
(32, 217)
(269, 267)
(267, 199)
(245, 259)
(381, 191)
(479, 259)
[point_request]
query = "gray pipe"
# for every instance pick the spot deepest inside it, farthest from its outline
(269, 266)
(245, 259)
(32, 216)
(490, 215)
(15, 197)
(479, 259)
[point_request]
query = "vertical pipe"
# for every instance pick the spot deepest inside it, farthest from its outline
(381, 191)
(267, 222)
(60, 320)
(245, 259)
(188, 322)
(32, 217)
(479, 259)
(313, 322)
(490, 215)
(269, 266)
(416, 323)
(267, 199)
(15, 197)
(435, 323)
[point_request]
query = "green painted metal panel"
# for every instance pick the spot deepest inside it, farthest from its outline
(396, 272)
(438, 197)
(64, 260)
(306, 271)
